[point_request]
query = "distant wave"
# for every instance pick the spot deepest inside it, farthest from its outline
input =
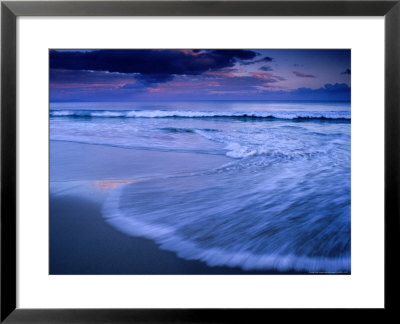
(338, 116)
(187, 130)
(177, 130)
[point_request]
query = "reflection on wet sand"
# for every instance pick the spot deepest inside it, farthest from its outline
(111, 184)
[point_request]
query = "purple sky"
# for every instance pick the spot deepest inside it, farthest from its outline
(151, 75)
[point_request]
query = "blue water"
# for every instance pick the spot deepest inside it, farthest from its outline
(281, 201)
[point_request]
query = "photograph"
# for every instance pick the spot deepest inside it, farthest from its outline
(199, 161)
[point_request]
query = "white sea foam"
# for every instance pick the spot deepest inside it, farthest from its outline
(169, 239)
(345, 115)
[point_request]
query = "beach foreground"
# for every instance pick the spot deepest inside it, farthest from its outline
(263, 194)
(81, 241)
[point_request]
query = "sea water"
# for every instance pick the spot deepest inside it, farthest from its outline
(281, 201)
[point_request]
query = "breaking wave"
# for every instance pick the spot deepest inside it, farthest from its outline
(339, 116)
(209, 217)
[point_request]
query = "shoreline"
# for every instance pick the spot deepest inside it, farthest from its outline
(81, 242)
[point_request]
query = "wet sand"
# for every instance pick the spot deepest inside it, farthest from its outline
(82, 243)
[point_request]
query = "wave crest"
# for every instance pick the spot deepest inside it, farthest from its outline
(339, 116)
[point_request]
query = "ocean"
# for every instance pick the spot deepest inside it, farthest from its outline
(279, 199)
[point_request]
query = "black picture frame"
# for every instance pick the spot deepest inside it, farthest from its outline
(10, 10)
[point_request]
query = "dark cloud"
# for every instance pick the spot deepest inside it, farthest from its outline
(265, 59)
(337, 87)
(246, 82)
(328, 90)
(266, 68)
(155, 77)
(302, 75)
(347, 71)
(152, 66)
(70, 78)
(240, 54)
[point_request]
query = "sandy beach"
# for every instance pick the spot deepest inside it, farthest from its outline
(82, 243)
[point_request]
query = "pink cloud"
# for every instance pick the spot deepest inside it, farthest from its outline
(302, 75)
(269, 77)
(184, 86)
(191, 52)
(262, 75)
(153, 90)
(228, 73)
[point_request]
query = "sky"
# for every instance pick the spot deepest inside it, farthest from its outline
(181, 75)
